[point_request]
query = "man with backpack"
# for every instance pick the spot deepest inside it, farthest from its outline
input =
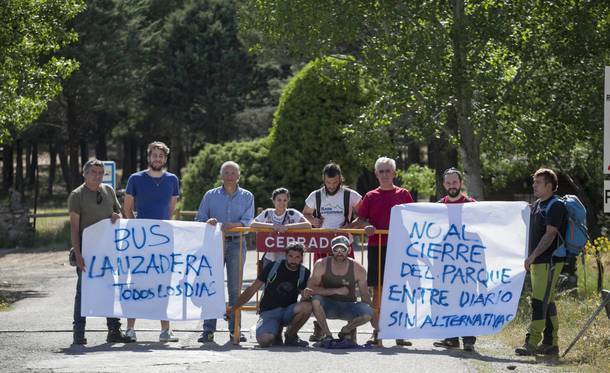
(548, 220)
(283, 280)
(332, 206)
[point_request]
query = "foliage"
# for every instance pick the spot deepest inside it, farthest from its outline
(420, 179)
(30, 74)
(202, 172)
(323, 98)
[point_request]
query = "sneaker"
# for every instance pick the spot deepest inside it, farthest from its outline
(525, 350)
(323, 341)
(79, 339)
(167, 335)
(295, 341)
(374, 340)
(346, 335)
(317, 333)
(469, 347)
(242, 337)
(403, 342)
(206, 337)
(545, 349)
(447, 343)
(117, 336)
(131, 333)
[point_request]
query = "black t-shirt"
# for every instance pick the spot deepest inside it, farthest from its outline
(557, 217)
(282, 291)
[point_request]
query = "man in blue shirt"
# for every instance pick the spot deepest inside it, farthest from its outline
(154, 193)
(231, 206)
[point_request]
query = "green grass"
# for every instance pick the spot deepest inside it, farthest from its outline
(51, 233)
(591, 352)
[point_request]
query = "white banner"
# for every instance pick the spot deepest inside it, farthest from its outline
(607, 121)
(453, 269)
(153, 269)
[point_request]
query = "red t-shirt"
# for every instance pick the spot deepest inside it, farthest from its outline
(376, 206)
(462, 199)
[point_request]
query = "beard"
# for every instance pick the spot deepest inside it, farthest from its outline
(329, 193)
(292, 266)
(156, 168)
(453, 192)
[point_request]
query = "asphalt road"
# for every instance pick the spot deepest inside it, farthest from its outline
(36, 335)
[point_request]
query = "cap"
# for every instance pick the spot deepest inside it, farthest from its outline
(339, 241)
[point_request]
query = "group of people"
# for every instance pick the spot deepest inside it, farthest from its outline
(291, 292)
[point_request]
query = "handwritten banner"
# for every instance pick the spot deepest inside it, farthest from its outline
(153, 269)
(453, 269)
(276, 242)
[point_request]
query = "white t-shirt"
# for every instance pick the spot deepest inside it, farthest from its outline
(331, 207)
(289, 216)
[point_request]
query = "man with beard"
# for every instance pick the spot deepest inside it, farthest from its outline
(153, 194)
(284, 280)
(332, 206)
(452, 182)
(333, 290)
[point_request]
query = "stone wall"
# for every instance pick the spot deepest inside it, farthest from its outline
(15, 226)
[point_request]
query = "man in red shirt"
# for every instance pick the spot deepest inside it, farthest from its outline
(374, 213)
(452, 182)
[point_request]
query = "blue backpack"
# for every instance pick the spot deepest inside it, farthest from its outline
(576, 236)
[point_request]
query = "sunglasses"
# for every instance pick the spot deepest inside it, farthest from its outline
(340, 249)
(98, 197)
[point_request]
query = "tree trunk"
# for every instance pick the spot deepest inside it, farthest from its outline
(7, 167)
(101, 147)
(441, 156)
(143, 156)
(130, 158)
(65, 167)
(19, 170)
(52, 168)
(84, 151)
(469, 141)
(32, 164)
(177, 154)
(28, 165)
(73, 144)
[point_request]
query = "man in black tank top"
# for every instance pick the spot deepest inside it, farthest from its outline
(332, 287)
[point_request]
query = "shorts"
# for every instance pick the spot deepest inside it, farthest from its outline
(337, 310)
(271, 321)
(373, 269)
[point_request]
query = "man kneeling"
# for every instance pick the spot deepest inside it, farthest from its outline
(283, 281)
(333, 288)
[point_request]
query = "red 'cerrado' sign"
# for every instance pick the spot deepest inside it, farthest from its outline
(315, 242)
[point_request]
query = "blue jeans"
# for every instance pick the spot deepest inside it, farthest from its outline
(347, 311)
(234, 276)
(78, 325)
(271, 321)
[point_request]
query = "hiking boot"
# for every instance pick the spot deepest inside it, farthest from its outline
(317, 333)
(131, 333)
(242, 337)
(79, 339)
(117, 336)
(206, 337)
(294, 340)
(167, 335)
(525, 350)
(447, 343)
(469, 347)
(545, 349)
